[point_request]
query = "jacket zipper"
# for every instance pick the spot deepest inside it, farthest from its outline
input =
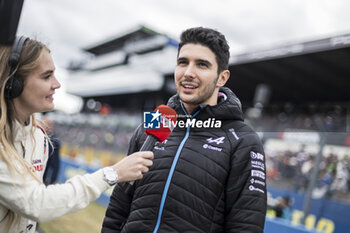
(171, 172)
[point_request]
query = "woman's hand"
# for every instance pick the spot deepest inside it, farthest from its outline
(133, 166)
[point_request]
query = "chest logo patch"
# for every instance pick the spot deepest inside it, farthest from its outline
(218, 141)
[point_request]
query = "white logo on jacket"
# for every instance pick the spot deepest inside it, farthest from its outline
(256, 155)
(210, 147)
(217, 140)
(259, 174)
(253, 188)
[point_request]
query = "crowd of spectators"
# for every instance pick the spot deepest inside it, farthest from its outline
(95, 133)
(292, 170)
(110, 132)
(328, 119)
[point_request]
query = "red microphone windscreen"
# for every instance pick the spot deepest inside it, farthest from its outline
(168, 119)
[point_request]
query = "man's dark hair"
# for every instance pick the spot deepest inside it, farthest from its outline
(210, 38)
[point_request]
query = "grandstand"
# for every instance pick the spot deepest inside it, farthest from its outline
(310, 74)
(126, 72)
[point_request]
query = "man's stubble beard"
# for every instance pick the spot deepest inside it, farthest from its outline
(207, 93)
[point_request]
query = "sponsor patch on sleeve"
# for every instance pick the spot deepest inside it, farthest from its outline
(257, 180)
(257, 156)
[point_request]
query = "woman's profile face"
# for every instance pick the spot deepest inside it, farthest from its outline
(39, 87)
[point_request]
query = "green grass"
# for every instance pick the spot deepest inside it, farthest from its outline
(88, 220)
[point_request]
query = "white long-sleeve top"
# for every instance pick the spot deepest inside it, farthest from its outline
(32, 201)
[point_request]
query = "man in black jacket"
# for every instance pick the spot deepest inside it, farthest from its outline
(209, 175)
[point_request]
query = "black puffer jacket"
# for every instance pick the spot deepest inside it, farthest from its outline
(202, 180)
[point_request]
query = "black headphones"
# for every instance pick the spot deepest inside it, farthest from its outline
(14, 85)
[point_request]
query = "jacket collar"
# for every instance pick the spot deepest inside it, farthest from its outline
(229, 107)
(20, 132)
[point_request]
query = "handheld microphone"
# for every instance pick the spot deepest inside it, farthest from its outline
(167, 121)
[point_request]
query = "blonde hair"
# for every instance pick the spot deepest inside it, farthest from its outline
(28, 62)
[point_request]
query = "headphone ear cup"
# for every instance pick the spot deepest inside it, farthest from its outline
(13, 88)
(14, 85)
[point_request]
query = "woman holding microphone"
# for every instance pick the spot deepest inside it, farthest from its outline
(27, 86)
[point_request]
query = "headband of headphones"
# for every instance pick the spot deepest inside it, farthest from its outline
(14, 86)
(16, 51)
